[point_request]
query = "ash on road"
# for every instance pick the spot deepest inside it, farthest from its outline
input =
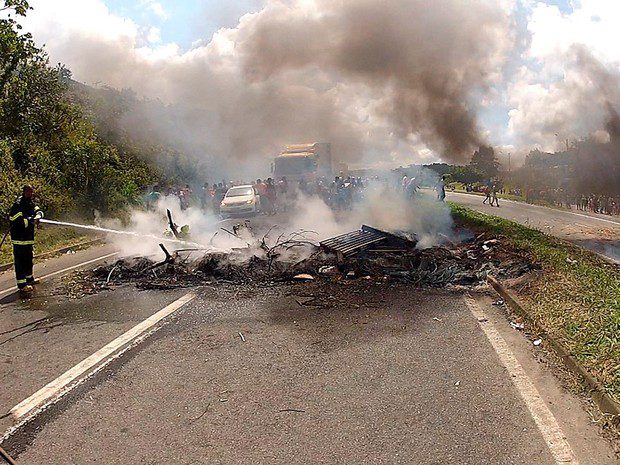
(352, 372)
(369, 370)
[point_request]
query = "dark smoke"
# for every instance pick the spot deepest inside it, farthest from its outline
(426, 62)
(597, 165)
(576, 105)
(383, 81)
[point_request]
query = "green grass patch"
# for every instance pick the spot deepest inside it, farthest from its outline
(576, 298)
(46, 240)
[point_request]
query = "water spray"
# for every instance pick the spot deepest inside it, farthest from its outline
(118, 232)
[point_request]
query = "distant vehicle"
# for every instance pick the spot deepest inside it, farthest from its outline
(240, 200)
(304, 161)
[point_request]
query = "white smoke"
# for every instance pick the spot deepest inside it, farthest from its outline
(383, 206)
(387, 82)
(383, 81)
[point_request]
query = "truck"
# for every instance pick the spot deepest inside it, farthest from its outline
(304, 161)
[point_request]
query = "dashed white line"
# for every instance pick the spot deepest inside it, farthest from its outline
(65, 382)
(544, 419)
(56, 273)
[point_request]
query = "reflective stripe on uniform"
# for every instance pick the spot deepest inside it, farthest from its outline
(15, 216)
(23, 242)
(22, 281)
(25, 222)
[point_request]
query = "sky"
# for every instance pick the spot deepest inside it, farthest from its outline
(549, 75)
(186, 21)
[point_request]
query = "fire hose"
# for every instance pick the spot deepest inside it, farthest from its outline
(6, 457)
(115, 231)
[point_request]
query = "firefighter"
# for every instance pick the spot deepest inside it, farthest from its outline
(23, 216)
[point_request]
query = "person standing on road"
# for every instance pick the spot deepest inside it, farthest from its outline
(487, 193)
(152, 198)
(440, 187)
(494, 196)
(270, 193)
(261, 188)
(283, 194)
(205, 197)
(23, 216)
(411, 188)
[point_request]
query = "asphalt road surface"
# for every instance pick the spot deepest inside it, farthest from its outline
(599, 233)
(356, 372)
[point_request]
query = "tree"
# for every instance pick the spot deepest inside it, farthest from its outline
(439, 168)
(465, 174)
(485, 162)
(14, 46)
(46, 139)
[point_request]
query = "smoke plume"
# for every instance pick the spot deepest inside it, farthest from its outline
(383, 206)
(386, 82)
(422, 63)
(575, 106)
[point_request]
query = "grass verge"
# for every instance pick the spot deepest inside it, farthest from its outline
(576, 297)
(47, 240)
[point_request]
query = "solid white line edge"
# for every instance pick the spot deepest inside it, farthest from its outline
(543, 417)
(62, 385)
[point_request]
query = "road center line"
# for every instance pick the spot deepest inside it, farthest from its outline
(65, 382)
(55, 273)
(544, 419)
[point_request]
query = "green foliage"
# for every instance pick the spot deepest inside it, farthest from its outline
(15, 48)
(9, 178)
(465, 174)
(587, 167)
(577, 299)
(439, 168)
(122, 119)
(485, 163)
(20, 7)
(46, 139)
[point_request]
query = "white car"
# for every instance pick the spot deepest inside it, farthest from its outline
(240, 200)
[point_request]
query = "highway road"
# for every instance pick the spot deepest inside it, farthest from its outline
(366, 373)
(599, 233)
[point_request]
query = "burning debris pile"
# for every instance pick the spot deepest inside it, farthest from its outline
(367, 253)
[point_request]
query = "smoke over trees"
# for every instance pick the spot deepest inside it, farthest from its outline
(379, 80)
(387, 83)
(485, 163)
(45, 140)
(597, 165)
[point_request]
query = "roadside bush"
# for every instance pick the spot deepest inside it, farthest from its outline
(47, 141)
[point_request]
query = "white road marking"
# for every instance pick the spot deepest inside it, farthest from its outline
(544, 419)
(55, 273)
(67, 381)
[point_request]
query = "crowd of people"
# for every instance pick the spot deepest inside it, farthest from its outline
(605, 204)
(340, 193)
(594, 203)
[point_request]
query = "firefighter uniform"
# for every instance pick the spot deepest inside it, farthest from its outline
(23, 216)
